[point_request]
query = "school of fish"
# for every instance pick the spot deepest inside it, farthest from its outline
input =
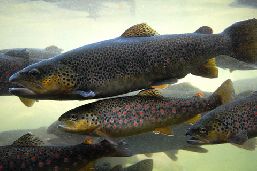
(139, 59)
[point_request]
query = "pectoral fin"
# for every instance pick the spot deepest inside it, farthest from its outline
(208, 70)
(85, 94)
(27, 102)
(239, 138)
(164, 131)
(194, 119)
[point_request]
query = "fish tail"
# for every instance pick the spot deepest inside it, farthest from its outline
(243, 36)
(225, 92)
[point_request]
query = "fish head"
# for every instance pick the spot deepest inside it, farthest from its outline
(208, 130)
(79, 121)
(45, 77)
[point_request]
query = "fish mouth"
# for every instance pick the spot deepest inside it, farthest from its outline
(194, 140)
(22, 92)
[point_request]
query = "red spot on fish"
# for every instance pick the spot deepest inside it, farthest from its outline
(141, 122)
(119, 113)
(135, 124)
(141, 112)
(125, 112)
(120, 121)
(125, 121)
(162, 111)
(114, 126)
(33, 158)
(255, 113)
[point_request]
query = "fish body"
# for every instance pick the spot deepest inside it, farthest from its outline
(24, 155)
(139, 59)
(130, 115)
(235, 122)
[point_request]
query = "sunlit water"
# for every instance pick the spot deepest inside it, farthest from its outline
(72, 23)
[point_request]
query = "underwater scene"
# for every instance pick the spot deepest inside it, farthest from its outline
(128, 85)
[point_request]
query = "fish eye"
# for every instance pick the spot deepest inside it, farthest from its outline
(203, 130)
(34, 72)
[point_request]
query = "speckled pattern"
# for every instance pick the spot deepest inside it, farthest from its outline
(58, 158)
(229, 121)
(137, 114)
(124, 64)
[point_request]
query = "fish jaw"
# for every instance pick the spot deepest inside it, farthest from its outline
(80, 126)
(196, 139)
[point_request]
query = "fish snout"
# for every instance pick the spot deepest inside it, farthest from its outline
(15, 77)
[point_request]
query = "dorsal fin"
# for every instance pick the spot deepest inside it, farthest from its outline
(150, 92)
(204, 30)
(53, 48)
(140, 30)
(27, 140)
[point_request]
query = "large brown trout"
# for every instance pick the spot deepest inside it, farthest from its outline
(138, 59)
(26, 153)
(148, 111)
(235, 122)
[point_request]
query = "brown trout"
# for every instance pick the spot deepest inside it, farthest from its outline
(138, 59)
(27, 154)
(235, 122)
(148, 111)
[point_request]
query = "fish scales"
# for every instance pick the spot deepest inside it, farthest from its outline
(140, 61)
(141, 115)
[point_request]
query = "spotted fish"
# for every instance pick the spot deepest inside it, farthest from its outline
(140, 58)
(26, 153)
(148, 111)
(235, 122)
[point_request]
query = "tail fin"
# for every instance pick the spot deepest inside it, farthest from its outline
(244, 40)
(118, 149)
(226, 92)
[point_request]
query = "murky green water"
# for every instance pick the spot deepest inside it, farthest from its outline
(72, 23)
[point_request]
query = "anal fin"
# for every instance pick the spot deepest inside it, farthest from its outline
(164, 131)
(208, 70)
